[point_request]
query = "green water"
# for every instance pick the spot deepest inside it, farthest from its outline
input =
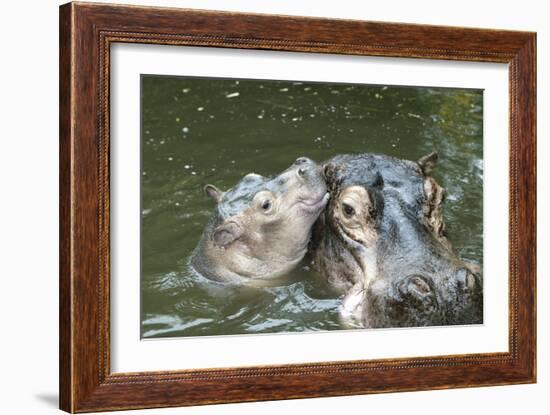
(198, 131)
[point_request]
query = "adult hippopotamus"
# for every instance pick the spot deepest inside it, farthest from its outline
(381, 243)
(261, 227)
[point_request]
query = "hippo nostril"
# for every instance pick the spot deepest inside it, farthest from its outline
(415, 285)
(418, 292)
(465, 279)
(420, 284)
(471, 281)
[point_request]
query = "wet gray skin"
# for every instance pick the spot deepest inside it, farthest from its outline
(381, 243)
(261, 227)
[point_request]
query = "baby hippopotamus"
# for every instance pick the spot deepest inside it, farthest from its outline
(261, 227)
(381, 243)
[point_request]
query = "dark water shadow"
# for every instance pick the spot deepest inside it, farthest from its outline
(50, 399)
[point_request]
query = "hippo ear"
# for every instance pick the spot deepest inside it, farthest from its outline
(329, 171)
(226, 233)
(213, 192)
(378, 180)
(427, 163)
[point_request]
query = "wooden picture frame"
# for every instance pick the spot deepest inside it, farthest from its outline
(86, 33)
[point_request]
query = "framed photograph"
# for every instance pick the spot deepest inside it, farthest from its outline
(258, 207)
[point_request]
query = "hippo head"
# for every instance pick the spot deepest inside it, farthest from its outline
(382, 243)
(261, 227)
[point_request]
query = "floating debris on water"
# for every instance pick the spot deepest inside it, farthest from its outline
(200, 109)
(170, 158)
(187, 166)
(185, 129)
(194, 173)
(233, 95)
(177, 119)
(410, 114)
(283, 89)
(186, 90)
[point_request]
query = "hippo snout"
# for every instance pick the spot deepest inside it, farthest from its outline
(307, 169)
(303, 160)
(304, 165)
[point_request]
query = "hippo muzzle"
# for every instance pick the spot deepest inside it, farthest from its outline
(420, 300)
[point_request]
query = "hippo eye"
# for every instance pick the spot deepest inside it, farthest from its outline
(266, 204)
(348, 210)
